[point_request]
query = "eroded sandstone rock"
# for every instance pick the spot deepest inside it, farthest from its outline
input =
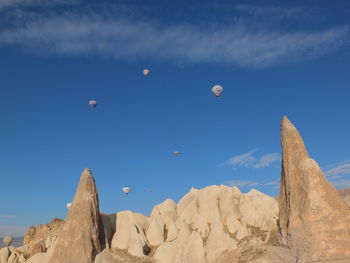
(311, 212)
(82, 236)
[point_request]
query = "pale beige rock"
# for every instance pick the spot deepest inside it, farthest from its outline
(43, 232)
(166, 210)
(155, 232)
(242, 232)
(181, 244)
(109, 256)
(259, 210)
(4, 254)
(38, 258)
(195, 249)
(143, 220)
(82, 235)
(165, 253)
(43, 257)
(12, 258)
(172, 231)
(218, 242)
(200, 224)
(129, 234)
(309, 204)
(234, 226)
(21, 258)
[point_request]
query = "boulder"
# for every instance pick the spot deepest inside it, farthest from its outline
(4, 254)
(129, 234)
(312, 215)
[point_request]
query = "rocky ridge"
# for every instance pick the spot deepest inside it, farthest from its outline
(216, 224)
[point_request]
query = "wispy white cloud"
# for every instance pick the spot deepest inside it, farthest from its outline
(268, 159)
(343, 169)
(248, 160)
(341, 183)
(276, 182)
(108, 35)
(239, 183)
(245, 159)
(15, 231)
(332, 177)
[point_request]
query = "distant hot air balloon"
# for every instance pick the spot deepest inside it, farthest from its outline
(146, 72)
(150, 190)
(68, 205)
(217, 90)
(7, 240)
(126, 190)
(176, 153)
(93, 103)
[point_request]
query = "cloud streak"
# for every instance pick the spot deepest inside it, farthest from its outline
(343, 169)
(113, 36)
(268, 159)
(248, 160)
(341, 183)
(245, 159)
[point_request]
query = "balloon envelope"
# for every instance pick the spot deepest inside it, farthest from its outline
(68, 205)
(176, 153)
(146, 72)
(217, 90)
(93, 103)
(7, 240)
(126, 190)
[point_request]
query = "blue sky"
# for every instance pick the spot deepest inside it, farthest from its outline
(273, 58)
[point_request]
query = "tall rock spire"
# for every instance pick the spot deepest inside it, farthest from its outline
(80, 239)
(311, 212)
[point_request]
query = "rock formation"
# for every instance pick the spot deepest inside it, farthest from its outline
(46, 232)
(216, 224)
(311, 213)
(212, 222)
(345, 195)
(82, 235)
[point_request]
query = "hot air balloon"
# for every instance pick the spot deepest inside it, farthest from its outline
(217, 90)
(150, 190)
(7, 240)
(146, 72)
(176, 153)
(126, 190)
(93, 104)
(68, 205)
